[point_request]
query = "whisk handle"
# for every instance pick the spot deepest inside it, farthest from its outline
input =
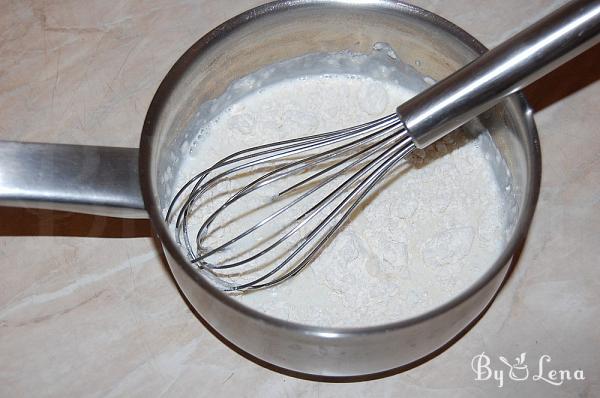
(512, 65)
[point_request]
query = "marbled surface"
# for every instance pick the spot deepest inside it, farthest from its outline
(87, 306)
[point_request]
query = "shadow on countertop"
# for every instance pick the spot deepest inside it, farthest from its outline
(576, 74)
(36, 222)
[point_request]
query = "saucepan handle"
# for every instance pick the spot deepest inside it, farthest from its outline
(77, 178)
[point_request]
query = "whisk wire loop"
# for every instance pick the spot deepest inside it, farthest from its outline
(363, 153)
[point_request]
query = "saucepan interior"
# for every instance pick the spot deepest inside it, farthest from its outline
(287, 29)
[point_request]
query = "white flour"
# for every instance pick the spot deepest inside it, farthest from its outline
(432, 229)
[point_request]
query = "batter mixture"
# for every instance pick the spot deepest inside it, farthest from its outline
(430, 230)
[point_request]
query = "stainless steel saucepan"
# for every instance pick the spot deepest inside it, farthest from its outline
(128, 182)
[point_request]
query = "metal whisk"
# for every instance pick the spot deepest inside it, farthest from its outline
(321, 179)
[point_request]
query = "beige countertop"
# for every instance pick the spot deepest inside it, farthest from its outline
(87, 306)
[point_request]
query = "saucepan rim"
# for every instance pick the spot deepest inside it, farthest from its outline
(149, 140)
